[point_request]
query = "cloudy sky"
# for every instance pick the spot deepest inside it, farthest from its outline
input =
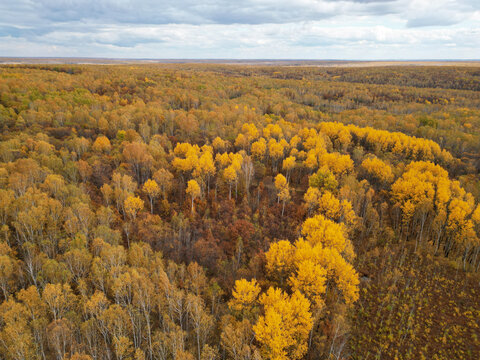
(242, 29)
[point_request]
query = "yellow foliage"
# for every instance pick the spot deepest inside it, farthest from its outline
(280, 182)
(337, 133)
(275, 149)
(151, 188)
(245, 294)
(259, 148)
(133, 204)
(102, 144)
(230, 174)
(222, 159)
(284, 328)
(378, 170)
(219, 144)
(241, 141)
(309, 279)
(205, 167)
(186, 157)
(312, 198)
(334, 209)
(280, 258)
(340, 165)
(193, 189)
(320, 231)
(289, 163)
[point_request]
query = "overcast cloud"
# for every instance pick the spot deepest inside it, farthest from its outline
(242, 29)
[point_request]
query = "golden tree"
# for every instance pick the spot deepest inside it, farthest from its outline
(193, 189)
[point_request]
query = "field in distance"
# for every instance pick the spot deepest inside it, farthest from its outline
(266, 62)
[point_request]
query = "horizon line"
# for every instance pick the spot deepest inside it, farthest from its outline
(227, 59)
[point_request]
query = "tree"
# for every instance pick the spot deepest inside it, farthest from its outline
(219, 144)
(139, 157)
(425, 191)
(102, 144)
(202, 321)
(164, 179)
(280, 258)
(186, 157)
(123, 187)
(133, 204)
(8, 274)
(37, 316)
(310, 279)
(276, 151)
(245, 294)
(237, 339)
(334, 209)
(6, 199)
(322, 255)
(59, 336)
(288, 165)
(377, 170)
(259, 149)
(16, 342)
(323, 180)
(283, 190)
(312, 198)
(248, 171)
(58, 298)
(152, 190)
(230, 175)
(193, 189)
(283, 329)
(205, 168)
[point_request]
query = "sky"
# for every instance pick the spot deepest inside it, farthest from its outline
(242, 29)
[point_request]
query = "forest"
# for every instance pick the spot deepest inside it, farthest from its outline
(239, 212)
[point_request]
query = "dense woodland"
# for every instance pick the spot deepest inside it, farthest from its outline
(239, 212)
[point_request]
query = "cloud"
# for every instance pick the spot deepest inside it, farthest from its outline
(361, 29)
(197, 12)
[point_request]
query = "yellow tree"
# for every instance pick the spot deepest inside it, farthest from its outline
(186, 157)
(309, 279)
(283, 190)
(58, 298)
(17, 342)
(241, 141)
(133, 205)
(323, 180)
(312, 198)
(288, 165)
(244, 297)
(219, 144)
(102, 144)
(231, 176)
(276, 150)
(340, 165)
(250, 130)
(377, 170)
(283, 329)
(334, 209)
(205, 168)
(259, 149)
(152, 190)
(280, 259)
(193, 189)
(320, 258)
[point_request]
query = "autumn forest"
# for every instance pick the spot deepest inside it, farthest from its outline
(239, 212)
